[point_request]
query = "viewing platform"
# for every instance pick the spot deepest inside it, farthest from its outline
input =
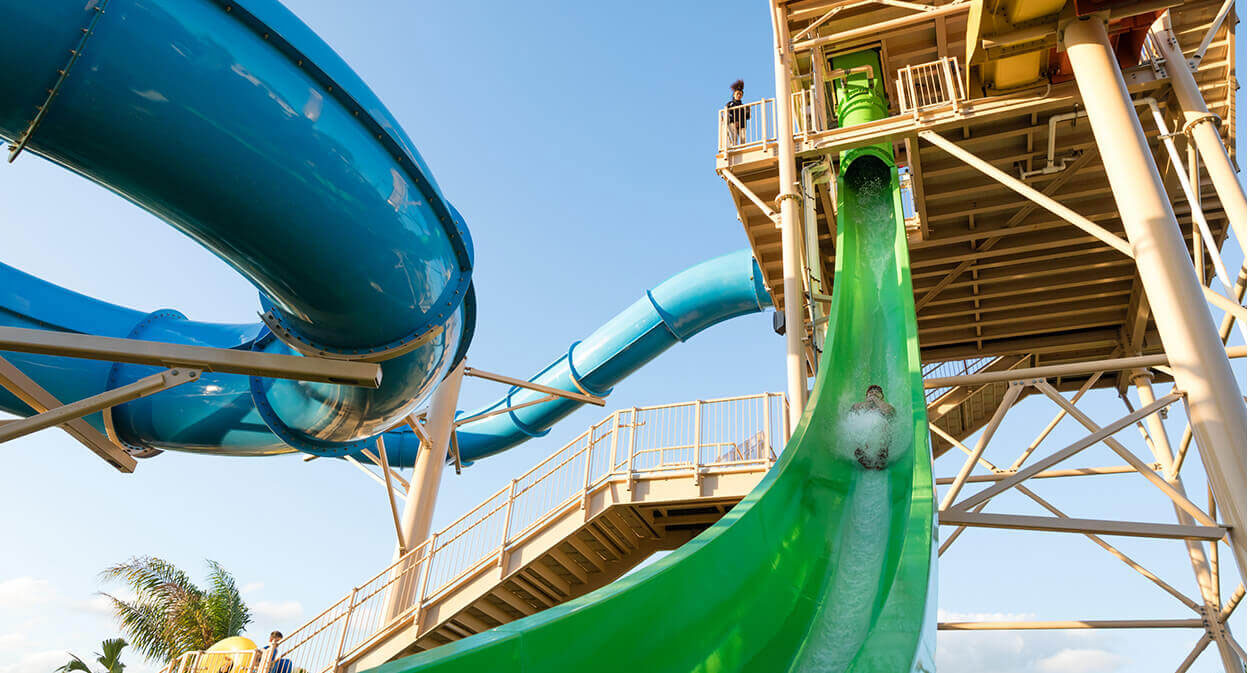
(996, 272)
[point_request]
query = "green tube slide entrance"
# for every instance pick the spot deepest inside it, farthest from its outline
(829, 564)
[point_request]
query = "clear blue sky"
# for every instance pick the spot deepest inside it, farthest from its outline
(577, 140)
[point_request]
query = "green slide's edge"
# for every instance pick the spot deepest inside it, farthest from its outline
(828, 565)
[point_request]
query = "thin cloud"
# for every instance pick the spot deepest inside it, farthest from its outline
(278, 611)
(1081, 661)
(252, 587)
(36, 662)
(22, 592)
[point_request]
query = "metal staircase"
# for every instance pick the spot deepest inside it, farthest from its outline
(641, 480)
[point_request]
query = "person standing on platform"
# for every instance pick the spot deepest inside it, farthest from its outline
(738, 114)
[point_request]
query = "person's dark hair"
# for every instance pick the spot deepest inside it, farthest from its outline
(875, 388)
(738, 85)
(275, 634)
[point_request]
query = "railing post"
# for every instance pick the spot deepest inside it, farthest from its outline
(346, 623)
(762, 129)
(589, 455)
(697, 442)
(615, 440)
(766, 450)
(424, 581)
(502, 547)
(632, 449)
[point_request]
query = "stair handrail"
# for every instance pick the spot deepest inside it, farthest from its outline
(372, 610)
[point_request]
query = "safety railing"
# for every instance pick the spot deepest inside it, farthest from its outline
(240, 661)
(754, 124)
(704, 436)
(930, 85)
(948, 368)
(748, 124)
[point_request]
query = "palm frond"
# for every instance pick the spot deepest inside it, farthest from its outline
(147, 628)
(224, 604)
(74, 664)
(110, 655)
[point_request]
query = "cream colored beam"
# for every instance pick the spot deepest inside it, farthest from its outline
(1073, 624)
(504, 410)
(1176, 495)
(1011, 395)
(1166, 531)
(375, 460)
(521, 383)
(159, 354)
(1057, 418)
(111, 398)
(394, 509)
(1063, 454)
(748, 193)
(1232, 604)
(1191, 657)
(1046, 202)
(1116, 553)
(41, 401)
(877, 29)
(1115, 364)
(1049, 474)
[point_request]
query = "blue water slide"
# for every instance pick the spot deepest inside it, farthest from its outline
(672, 312)
(237, 125)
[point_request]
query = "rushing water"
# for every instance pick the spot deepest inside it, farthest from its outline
(873, 437)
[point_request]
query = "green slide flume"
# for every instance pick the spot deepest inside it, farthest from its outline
(828, 565)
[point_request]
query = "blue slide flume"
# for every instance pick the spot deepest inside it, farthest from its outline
(246, 132)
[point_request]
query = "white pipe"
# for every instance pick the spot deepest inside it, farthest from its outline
(790, 237)
(1201, 369)
(1201, 127)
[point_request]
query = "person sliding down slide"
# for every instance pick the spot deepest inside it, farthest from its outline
(873, 403)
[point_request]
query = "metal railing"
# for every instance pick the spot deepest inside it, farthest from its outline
(754, 124)
(747, 124)
(703, 436)
(951, 368)
(930, 85)
(240, 661)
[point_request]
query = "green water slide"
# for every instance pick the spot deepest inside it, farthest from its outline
(829, 564)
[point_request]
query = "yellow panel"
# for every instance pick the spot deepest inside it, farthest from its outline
(1015, 71)
(1018, 11)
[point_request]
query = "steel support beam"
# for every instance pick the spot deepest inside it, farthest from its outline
(110, 398)
(1168, 531)
(1201, 370)
(1073, 624)
(42, 401)
(1063, 454)
(1050, 371)
(521, 383)
(1202, 127)
(159, 354)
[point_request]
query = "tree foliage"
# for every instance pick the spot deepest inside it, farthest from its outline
(109, 657)
(169, 614)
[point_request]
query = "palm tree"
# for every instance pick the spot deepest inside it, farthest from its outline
(110, 658)
(170, 614)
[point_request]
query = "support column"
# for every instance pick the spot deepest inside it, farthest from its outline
(790, 237)
(1202, 128)
(1201, 369)
(422, 494)
(1162, 453)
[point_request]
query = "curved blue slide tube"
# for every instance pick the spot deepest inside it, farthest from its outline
(236, 124)
(675, 310)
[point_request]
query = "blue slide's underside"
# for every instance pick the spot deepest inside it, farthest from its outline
(240, 127)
